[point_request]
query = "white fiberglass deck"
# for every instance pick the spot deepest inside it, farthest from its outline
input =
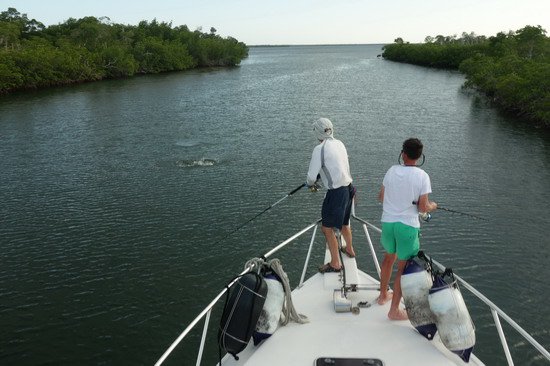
(369, 334)
(331, 334)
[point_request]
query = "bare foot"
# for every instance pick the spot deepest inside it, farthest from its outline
(348, 251)
(382, 300)
(399, 314)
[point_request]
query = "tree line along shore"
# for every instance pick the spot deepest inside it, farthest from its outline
(512, 69)
(34, 56)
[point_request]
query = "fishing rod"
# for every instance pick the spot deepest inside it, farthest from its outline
(268, 208)
(453, 211)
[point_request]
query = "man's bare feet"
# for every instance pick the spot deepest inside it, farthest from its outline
(382, 300)
(347, 251)
(399, 314)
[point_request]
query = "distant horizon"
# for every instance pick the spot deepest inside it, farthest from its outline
(318, 44)
(307, 22)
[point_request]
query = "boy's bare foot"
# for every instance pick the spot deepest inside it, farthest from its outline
(382, 300)
(399, 314)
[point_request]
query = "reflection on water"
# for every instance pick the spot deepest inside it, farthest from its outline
(114, 193)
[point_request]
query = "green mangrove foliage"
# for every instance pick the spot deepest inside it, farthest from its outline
(34, 56)
(512, 69)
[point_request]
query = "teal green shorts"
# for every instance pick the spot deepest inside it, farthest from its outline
(401, 239)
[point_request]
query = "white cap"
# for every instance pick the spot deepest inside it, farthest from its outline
(323, 128)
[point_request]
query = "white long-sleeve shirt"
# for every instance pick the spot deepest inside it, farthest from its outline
(330, 160)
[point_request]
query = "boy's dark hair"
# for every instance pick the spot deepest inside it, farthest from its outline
(413, 148)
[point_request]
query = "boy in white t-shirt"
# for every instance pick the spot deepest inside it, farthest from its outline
(404, 194)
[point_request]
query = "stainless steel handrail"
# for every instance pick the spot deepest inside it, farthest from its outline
(208, 309)
(495, 311)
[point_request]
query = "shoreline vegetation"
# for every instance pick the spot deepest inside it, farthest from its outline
(512, 69)
(34, 56)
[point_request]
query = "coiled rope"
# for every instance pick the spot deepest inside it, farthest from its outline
(288, 312)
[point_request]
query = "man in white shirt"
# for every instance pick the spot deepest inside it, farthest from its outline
(329, 160)
(404, 194)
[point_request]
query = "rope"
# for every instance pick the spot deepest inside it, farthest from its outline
(288, 312)
(256, 263)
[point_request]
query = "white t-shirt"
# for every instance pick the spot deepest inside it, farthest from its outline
(330, 160)
(402, 186)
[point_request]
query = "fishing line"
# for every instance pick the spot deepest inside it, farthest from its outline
(456, 212)
(461, 213)
(264, 211)
(399, 160)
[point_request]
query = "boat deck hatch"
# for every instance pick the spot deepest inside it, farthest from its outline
(330, 361)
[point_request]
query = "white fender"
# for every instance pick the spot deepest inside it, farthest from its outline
(454, 323)
(416, 283)
(271, 312)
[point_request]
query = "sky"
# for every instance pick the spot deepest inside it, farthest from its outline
(293, 22)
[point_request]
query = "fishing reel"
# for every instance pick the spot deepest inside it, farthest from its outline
(314, 188)
(425, 216)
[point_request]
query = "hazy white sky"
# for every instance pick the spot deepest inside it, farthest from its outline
(307, 21)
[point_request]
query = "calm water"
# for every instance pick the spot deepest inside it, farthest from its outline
(115, 197)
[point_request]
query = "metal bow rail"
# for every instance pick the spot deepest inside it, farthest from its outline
(495, 311)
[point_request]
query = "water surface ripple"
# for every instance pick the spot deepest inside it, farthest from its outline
(118, 197)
